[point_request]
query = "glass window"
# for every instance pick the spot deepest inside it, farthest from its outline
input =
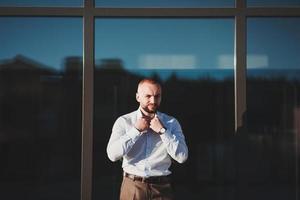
(40, 108)
(193, 58)
(273, 83)
(273, 3)
(164, 3)
(43, 3)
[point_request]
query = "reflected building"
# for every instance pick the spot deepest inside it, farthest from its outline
(41, 118)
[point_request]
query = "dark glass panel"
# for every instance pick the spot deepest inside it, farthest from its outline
(194, 62)
(40, 108)
(270, 145)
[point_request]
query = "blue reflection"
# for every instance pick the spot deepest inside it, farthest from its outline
(45, 40)
(41, 3)
(165, 3)
(265, 3)
(285, 74)
(208, 74)
(273, 47)
(187, 47)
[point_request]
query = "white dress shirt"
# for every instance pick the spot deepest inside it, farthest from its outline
(146, 154)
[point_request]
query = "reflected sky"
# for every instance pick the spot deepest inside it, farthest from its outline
(166, 43)
(38, 3)
(155, 44)
(122, 3)
(183, 45)
(45, 40)
(273, 43)
(165, 3)
(153, 3)
(273, 2)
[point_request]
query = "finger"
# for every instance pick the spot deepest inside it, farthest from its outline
(154, 120)
(145, 120)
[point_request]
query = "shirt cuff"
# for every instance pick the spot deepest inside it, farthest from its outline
(167, 136)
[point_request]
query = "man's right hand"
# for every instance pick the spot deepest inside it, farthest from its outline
(142, 124)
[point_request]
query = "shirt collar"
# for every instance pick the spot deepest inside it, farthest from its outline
(139, 113)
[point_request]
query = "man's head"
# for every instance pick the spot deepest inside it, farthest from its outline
(149, 95)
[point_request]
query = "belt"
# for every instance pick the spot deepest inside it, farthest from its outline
(151, 179)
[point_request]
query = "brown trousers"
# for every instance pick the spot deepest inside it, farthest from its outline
(137, 190)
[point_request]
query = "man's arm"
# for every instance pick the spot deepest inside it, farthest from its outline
(121, 141)
(175, 143)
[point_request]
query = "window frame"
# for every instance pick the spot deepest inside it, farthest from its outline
(89, 12)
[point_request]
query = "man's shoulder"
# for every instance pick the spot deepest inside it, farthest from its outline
(166, 117)
(168, 120)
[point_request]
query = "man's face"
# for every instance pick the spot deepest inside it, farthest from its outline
(149, 97)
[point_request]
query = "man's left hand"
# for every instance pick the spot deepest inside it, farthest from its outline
(156, 124)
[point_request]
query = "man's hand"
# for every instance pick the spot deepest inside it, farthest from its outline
(142, 124)
(156, 124)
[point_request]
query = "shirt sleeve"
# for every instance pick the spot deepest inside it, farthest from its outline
(121, 141)
(175, 143)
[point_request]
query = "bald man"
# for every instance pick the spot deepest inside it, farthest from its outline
(146, 141)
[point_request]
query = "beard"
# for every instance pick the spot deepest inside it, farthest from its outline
(150, 108)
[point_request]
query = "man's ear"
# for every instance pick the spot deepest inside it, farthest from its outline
(137, 97)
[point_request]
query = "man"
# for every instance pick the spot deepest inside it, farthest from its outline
(147, 141)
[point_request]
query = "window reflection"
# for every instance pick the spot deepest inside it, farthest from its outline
(165, 3)
(44, 3)
(195, 64)
(40, 108)
(273, 3)
(187, 48)
(273, 84)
